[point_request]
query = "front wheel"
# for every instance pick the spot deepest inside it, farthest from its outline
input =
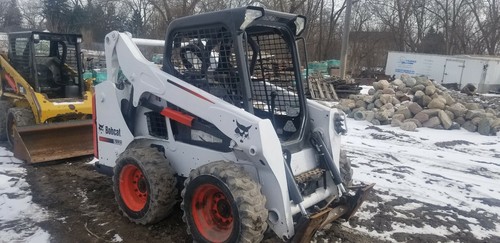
(5, 105)
(345, 169)
(222, 203)
(144, 185)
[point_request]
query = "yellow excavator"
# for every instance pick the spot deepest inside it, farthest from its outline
(45, 105)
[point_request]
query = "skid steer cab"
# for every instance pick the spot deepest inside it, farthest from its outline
(45, 106)
(226, 125)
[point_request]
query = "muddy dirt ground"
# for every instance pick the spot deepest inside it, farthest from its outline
(82, 208)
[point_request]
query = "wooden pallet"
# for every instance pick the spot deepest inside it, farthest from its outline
(320, 89)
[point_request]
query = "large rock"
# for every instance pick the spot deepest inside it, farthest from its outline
(388, 91)
(436, 103)
(360, 103)
(458, 109)
(476, 120)
(421, 117)
(484, 126)
(399, 94)
(488, 115)
(409, 82)
(388, 106)
(382, 116)
(409, 126)
(448, 99)
(445, 119)
(418, 87)
(455, 126)
(417, 122)
(469, 89)
(405, 90)
(369, 115)
(472, 106)
(371, 91)
(469, 126)
(398, 82)
(432, 122)
(381, 85)
(450, 114)
(395, 101)
(385, 84)
(377, 94)
(430, 90)
(370, 106)
(378, 103)
(495, 126)
(471, 114)
(405, 111)
(368, 98)
(431, 112)
(491, 111)
(415, 108)
(460, 120)
(395, 122)
(351, 104)
(404, 98)
(426, 100)
(419, 94)
(423, 80)
(386, 98)
(359, 116)
(399, 117)
(375, 122)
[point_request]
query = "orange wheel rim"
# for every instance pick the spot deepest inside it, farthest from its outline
(212, 213)
(133, 188)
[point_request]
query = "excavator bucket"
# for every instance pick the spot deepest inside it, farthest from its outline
(54, 141)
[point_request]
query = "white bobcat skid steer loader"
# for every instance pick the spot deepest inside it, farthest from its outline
(226, 116)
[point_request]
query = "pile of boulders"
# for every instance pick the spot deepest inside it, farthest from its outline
(413, 102)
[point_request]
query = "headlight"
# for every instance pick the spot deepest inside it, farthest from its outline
(251, 14)
(300, 23)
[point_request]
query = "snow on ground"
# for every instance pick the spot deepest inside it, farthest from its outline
(446, 182)
(18, 214)
(443, 184)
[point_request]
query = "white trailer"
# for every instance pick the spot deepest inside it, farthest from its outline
(481, 71)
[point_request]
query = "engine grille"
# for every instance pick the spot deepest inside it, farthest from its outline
(157, 125)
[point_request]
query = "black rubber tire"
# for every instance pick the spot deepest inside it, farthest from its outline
(345, 169)
(160, 183)
(19, 117)
(244, 196)
(5, 105)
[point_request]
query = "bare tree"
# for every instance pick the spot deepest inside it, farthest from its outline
(3, 9)
(395, 16)
(486, 14)
(32, 13)
(448, 12)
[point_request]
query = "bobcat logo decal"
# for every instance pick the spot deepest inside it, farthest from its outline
(101, 128)
(242, 131)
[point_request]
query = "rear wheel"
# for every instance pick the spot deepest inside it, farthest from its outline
(144, 185)
(5, 105)
(345, 169)
(18, 117)
(222, 203)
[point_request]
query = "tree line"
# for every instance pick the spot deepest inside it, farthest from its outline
(430, 26)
